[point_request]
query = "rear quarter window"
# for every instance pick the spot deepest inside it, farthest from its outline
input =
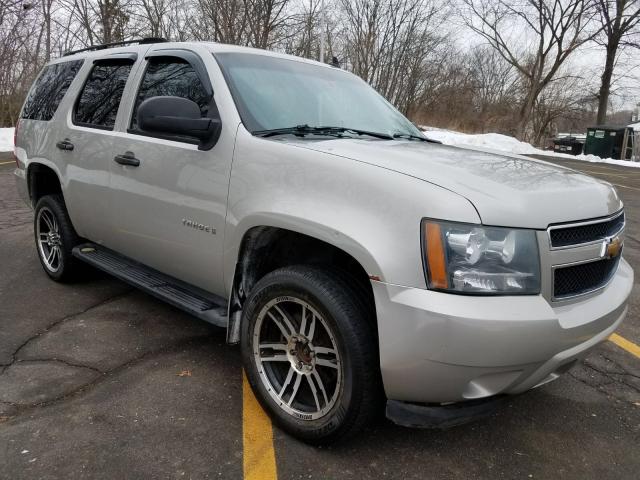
(49, 89)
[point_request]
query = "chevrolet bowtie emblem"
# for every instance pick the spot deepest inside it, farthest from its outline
(611, 247)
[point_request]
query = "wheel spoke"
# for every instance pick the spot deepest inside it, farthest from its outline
(273, 346)
(50, 256)
(323, 362)
(56, 255)
(284, 325)
(314, 391)
(275, 358)
(287, 381)
(285, 318)
(304, 321)
(329, 357)
(45, 216)
(296, 386)
(318, 379)
(326, 351)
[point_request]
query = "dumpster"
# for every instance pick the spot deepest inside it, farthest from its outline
(568, 144)
(609, 142)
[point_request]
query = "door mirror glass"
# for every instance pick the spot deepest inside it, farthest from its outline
(177, 116)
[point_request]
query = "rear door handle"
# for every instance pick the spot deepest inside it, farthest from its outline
(127, 158)
(65, 145)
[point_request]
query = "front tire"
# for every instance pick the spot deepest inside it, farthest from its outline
(55, 238)
(310, 353)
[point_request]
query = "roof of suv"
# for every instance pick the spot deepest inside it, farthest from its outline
(211, 46)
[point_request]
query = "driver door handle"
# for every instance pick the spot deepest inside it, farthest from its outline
(127, 158)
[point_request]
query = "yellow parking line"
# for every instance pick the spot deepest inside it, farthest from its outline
(6, 163)
(625, 344)
(259, 459)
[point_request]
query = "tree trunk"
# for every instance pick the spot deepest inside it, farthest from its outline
(605, 84)
(525, 114)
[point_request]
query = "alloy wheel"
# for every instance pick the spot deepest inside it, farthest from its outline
(49, 239)
(297, 357)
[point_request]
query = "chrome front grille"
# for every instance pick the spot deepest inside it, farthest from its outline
(584, 255)
(585, 232)
(583, 278)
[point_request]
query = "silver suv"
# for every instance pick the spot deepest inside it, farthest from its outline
(352, 258)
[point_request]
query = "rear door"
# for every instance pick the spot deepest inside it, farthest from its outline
(43, 113)
(87, 139)
(169, 211)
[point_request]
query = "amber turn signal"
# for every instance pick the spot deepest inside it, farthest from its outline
(436, 262)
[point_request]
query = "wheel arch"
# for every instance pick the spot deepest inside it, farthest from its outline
(264, 248)
(42, 179)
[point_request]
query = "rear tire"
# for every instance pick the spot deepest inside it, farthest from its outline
(310, 353)
(55, 239)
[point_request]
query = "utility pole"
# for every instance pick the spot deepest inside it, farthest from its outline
(322, 30)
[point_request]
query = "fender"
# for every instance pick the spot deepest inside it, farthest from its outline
(255, 233)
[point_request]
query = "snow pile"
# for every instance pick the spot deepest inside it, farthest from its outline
(480, 141)
(495, 142)
(6, 139)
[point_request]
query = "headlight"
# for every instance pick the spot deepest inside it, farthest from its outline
(474, 259)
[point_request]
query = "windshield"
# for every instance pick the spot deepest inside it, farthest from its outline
(275, 93)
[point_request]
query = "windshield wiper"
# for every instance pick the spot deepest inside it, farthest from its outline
(357, 131)
(302, 130)
(409, 136)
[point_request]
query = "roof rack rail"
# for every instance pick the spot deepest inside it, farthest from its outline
(139, 41)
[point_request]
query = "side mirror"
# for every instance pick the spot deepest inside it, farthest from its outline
(178, 116)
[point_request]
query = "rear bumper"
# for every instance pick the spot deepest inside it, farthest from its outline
(439, 348)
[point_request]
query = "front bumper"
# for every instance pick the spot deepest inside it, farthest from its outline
(440, 347)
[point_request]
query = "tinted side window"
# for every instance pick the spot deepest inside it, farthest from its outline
(49, 89)
(173, 77)
(98, 102)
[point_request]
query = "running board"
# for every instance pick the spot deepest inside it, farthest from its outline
(201, 304)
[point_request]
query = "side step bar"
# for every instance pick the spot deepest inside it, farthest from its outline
(201, 304)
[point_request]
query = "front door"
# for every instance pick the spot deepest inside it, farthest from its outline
(169, 210)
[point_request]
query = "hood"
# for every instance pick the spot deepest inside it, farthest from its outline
(506, 190)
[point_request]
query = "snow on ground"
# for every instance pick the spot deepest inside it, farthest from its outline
(6, 139)
(496, 142)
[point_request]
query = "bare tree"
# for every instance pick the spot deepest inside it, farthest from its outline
(405, 48)
(620, 20)
(535, 36)
(21, 38)
(392, 44)
(268, 21)
(495, 86)
(112, 18)
(562, 99)
(305, 30)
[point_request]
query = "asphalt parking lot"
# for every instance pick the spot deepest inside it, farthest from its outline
(100, 381)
